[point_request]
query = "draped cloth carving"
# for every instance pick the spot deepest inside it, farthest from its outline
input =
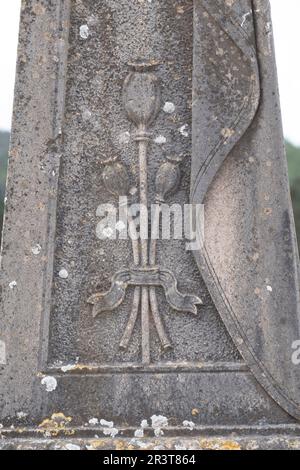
(249, 260)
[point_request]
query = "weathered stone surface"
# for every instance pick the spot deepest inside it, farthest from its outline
(197, 96)
(167, 444)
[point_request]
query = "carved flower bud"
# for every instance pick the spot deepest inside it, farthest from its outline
(141, 95)
(116, 179)
(167, 178)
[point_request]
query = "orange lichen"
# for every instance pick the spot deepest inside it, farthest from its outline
(219, 444)
(57, 424)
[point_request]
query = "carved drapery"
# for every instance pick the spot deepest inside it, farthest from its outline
(249, 259)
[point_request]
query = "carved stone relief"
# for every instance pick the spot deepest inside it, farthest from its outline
(141, 97)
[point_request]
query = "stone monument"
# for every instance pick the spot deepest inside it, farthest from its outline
(110, 341)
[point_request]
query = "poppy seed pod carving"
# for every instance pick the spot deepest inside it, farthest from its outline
(116, 179)
(167, 178)
(141, 95)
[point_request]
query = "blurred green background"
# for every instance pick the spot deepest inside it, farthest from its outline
(293, 154)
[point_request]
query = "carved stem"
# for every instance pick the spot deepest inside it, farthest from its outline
(143, 145)
(166, 344)
(134, 240)
(132, 319)
(137, 291)
(145, 326)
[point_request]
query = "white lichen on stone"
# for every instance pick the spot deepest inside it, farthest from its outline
(184, 130)
(22, 415)
(93, 421)
(138, 443)
(158, 422)
(124, 138)
(169, 107)
(268, 27)
(161, 140)
(108, 424)
(220, 52)
(63, 274)
(13, 285)
(84, 31)
(227, 133)
(269, 288)
(139, 433)
(72, 447)
(108, 428)
(50, 383)
(133, 191)
(244, 17)
(190, 425)
(112, 432)
(36, 250)
(86, 115)
(67, 367)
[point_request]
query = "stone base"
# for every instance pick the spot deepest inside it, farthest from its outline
(256, 438)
